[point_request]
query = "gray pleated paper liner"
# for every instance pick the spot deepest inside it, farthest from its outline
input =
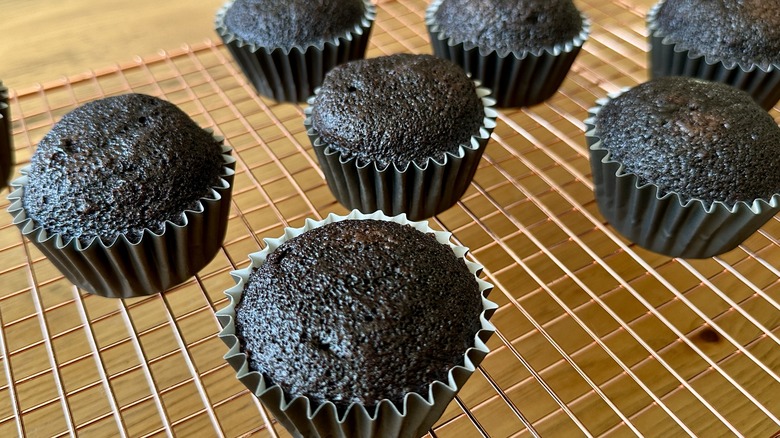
(301, 417)
(670, 58)
(662, 222)
(6, 138)
(516, 78)
(420, 190)
(292, 76)
(125, 269)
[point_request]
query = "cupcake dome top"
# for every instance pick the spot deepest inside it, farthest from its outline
(746, 31)
(397, 109)
(702, 140)
(118, 165)
(359, 311)
(509, 25)
(291, 23)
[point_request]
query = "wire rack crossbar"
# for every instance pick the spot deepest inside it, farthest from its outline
(596, 336)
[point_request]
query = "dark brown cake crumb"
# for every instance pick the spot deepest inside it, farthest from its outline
(701, 139)
(509, 25)
(290, 23)
(118, 165)
(359, 311)
(730, 30)
(397, 109)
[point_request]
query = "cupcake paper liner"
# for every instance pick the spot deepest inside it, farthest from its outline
(663, 222)
(292, 75)
(670, 58)
(125, 269)
(420, 190)
(516, 78)
(302, 417)
(6, 138)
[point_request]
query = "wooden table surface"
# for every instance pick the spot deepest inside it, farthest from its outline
(44, 40)
(595, 335)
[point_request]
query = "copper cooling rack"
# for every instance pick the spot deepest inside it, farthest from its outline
(595, 336)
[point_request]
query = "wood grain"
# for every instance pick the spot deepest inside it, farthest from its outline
(595, 335)
(43, 40)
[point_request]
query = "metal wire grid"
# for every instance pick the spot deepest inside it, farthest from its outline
(595, 336)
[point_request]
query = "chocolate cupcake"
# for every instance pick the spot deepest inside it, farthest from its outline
(126, 196)
(6, 138)
(286, 48)
(522, 50)
(736, 42)
(685, 167)
(401, 133)
(363, 325)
